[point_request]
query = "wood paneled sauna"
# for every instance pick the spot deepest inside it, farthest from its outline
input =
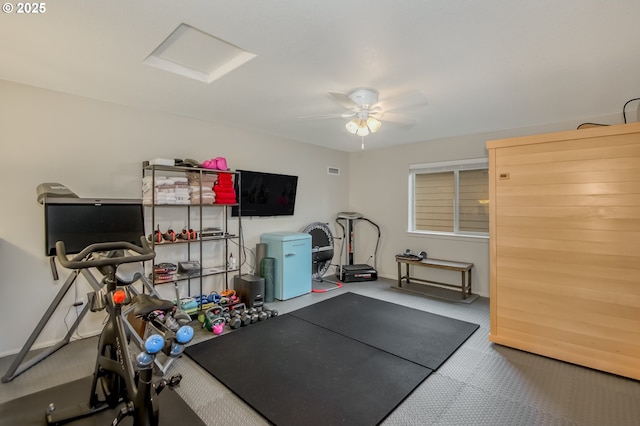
(565, 246)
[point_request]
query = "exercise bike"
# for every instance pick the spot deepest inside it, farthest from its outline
(120, 378)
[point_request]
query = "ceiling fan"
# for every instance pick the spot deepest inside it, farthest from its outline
(367, 112)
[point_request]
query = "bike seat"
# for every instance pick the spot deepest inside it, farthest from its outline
(146, 304)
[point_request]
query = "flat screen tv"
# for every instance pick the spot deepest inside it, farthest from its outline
(80, 222)
(265, 194)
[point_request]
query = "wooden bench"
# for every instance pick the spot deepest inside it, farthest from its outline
(463, 267)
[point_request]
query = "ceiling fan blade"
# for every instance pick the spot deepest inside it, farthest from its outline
(343, 100)
(395, 119)
(313, 117)
(408, 100)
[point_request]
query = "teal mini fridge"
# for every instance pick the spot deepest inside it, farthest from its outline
(292, 254)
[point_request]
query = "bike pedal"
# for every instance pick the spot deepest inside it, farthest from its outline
(160, 386)
(174, 381)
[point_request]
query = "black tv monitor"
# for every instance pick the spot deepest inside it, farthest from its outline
(265, 194)
(80, 222)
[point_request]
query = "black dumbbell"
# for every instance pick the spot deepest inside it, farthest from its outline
(234, 322)
(271, 312)
(233, 319)
(245, 318)
(253, 314)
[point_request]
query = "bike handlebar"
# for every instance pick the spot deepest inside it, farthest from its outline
(79, 260)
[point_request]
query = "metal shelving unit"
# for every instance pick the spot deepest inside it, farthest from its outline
(194, 215)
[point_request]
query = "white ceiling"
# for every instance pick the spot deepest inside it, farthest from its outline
(482, 65)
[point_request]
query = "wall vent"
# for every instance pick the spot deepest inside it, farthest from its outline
(333, 170)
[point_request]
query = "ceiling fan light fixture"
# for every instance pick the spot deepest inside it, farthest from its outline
(362, 127)
(362, 131)
(373, 124)
(352, 126)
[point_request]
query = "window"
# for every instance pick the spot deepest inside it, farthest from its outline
(449, 197)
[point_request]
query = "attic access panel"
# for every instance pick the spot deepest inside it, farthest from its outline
(195, 54)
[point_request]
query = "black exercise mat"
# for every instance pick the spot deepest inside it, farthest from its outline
(30, 410)
(296, 373)
(418, 336)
